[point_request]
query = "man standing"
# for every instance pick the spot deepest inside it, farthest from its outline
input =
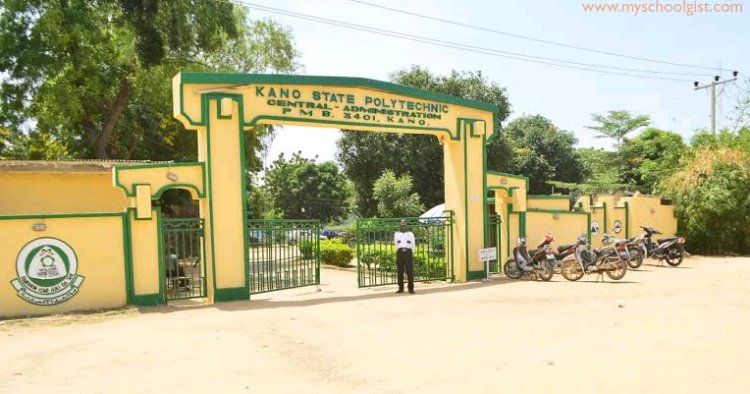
(405, 244)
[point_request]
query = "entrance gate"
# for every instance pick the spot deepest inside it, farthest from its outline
(183, 257)
(283, 254)
(376, 253)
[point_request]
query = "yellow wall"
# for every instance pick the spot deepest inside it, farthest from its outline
(48, 193)
(648, 211)
(99, 245)
(548, 202)
(564, 227)
(597, 216)
(145, 254)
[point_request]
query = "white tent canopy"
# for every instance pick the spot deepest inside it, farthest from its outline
(437, 211)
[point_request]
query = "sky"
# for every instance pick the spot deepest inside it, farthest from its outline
(565, 96)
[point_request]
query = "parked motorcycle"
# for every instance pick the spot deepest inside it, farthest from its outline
(632, 253)
(671, 250)
(608, 260)
(538, 263)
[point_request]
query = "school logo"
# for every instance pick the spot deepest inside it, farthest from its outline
(617, 226)
(47, 272)
(594, 228)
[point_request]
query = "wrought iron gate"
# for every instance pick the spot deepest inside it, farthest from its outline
(283, 254)
(376, 253)
(494, 240)
(184, 258)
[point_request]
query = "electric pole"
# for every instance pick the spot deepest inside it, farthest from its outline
(713, 86)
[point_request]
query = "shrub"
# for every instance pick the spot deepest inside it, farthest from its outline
(306, 248)
(335, 252)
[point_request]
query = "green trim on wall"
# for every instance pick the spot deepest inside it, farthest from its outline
(160, 240)
(604, 204)
(547, 197)
(472, 275)
(178, 186)
(148, 300)
(61, 215)
(231, 294)
(128, 193)
(466, 198)
(127, 244)
(507, 224)
(540, 210)
(627, 220)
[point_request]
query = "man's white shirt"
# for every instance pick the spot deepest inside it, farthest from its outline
(404, 240)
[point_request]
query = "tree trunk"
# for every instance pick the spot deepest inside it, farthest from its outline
(101, 141)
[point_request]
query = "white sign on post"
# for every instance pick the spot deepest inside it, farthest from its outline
(486, 255)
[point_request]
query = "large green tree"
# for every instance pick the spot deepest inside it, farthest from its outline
(94, 76)
(617, 125)
(395, 197)
(365, 156)
(543, 152)
(301, 188)
(651, 156)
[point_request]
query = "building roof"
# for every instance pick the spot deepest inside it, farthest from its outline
(78, 166)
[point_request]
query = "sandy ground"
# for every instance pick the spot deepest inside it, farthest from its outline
(659, 330)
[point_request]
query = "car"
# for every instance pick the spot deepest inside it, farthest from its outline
(329, 234)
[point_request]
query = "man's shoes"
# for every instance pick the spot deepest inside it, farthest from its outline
(400, 291)
(411, 291)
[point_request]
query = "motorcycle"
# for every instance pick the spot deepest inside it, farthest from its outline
(632, 253)
(671, 250)
(538, 263)
(608, 260)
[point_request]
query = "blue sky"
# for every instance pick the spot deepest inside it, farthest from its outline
(567, 97)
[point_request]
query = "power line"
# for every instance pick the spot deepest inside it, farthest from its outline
(460, 46)
(528, 38)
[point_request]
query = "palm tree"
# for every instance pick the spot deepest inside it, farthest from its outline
(618, 124)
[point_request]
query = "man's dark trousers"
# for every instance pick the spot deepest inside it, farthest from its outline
(405, 261)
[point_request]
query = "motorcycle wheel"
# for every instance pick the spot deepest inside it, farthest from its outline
(636, 258)
(511, 269)
(673, 261)
(620, 269)
(571, 270)
(545, 274)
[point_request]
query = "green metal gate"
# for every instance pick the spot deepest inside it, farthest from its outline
(376, 252)
(283, 254)
(183, 258)
(495, 221)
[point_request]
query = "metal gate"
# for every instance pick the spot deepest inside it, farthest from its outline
(184, 258)
(494, 240)
(376, 253)
(283, 254)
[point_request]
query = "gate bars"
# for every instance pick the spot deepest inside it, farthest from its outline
(376, 253)
(184, 262)
(283, 254)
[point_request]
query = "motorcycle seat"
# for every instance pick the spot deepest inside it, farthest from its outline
(562, 248)
(661, 241)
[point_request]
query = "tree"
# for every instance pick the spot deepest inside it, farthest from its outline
(651, 156)
(543, 152)
(97, 75)
(394, 196)
(303, 189)
(365, 156)
(618, 124)
(711, 191)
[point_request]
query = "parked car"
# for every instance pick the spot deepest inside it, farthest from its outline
(329, 234)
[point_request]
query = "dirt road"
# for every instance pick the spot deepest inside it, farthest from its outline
(659, 330)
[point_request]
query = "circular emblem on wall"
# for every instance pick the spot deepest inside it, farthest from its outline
(47, 272)
(617, 227)
(594, 228)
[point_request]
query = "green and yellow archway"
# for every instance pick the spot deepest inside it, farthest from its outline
(219, 107)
